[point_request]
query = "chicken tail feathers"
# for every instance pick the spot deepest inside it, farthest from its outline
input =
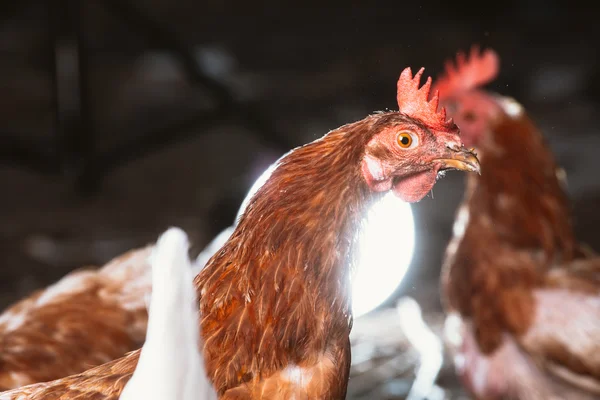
(171, 364)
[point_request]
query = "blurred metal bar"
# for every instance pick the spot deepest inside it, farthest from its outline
(83, 139)
(73, 123)
(55, 18)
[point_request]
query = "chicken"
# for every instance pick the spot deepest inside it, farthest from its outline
(87, 318)
(275, 300)
(70, 316)
(523, 299)
(171, 366)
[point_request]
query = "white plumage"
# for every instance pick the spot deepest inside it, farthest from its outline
(170, 364)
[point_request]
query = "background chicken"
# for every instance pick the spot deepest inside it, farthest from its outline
(275, 299)
(87, 318)
(523, 301)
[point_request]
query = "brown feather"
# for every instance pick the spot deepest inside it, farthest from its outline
(258, 292)
(518, 226)
(86, 319)
(103, 382)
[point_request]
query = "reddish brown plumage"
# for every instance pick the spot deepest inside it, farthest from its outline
(283, 259)
(275, 300)
(515, 208)
(86, 319)
(105, 382)
(513, 248)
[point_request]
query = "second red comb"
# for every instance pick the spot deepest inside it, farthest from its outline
(469, 72)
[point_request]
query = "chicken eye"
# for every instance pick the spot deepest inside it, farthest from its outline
(470, 116)
(451, 107)
(406, 140)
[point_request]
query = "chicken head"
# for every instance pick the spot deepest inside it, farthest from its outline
(474, 110)
(409, 151)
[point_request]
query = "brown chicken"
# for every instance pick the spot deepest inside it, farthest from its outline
(86, 319)
(274, 300)
(522, 297)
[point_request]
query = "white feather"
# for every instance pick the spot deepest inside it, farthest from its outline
(170, 364)
(428, 345)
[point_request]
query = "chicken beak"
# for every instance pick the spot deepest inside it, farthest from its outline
(463, 159)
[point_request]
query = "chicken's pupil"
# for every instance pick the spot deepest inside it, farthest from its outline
(405, 140)
(470, 116)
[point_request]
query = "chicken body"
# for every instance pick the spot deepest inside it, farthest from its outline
(87, 318)
(275, 299)
(523, 298)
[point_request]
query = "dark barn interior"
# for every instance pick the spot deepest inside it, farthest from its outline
(121, 118)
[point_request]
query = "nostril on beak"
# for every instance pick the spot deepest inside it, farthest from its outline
(453, 146)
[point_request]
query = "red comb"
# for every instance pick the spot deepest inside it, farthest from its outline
(414, 101)
(468, 73)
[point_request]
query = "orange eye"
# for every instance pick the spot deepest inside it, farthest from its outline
(405, 140)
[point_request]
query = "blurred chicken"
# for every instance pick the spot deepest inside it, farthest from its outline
(275, 299)
(87, 318)
(56, 332)
(523, 300)
(171, 365)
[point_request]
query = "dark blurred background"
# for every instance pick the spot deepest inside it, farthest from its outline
(167, 111)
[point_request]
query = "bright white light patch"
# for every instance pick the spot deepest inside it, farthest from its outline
(386, 246)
